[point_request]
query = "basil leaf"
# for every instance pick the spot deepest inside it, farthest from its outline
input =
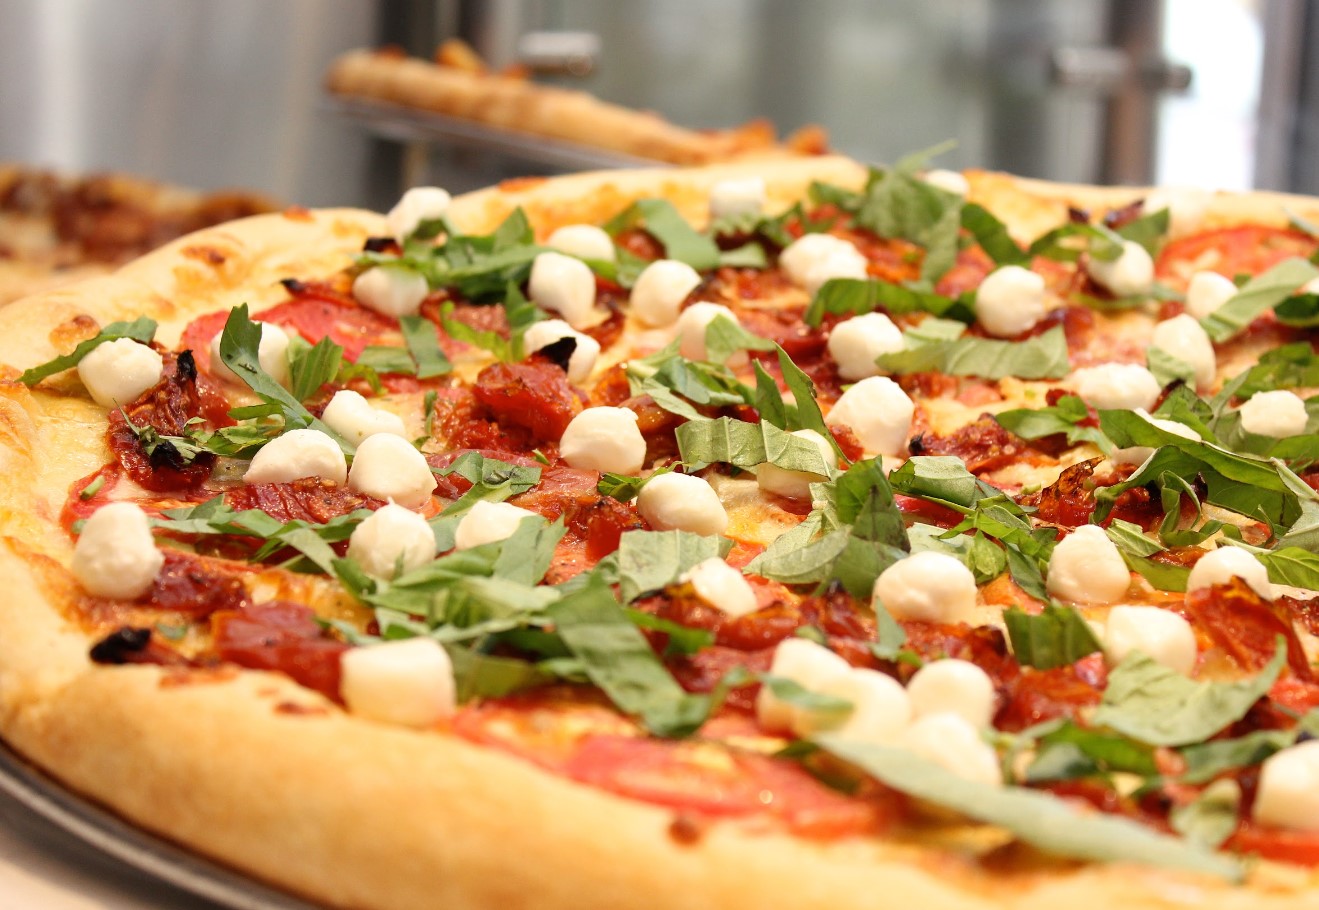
(239, 343)
(663, 222)
(1293, 566)
(808, 415)
(724, 337)
(1168, 369)
(526, 554)
(651, 560)
(982, 556)
(492, 480)
(1205, 761)
(1259, 295)
(312, 367)
(746, 256)
(746, 445)
(856, 296)
(478, 675)
(380, 359)
(829, 709)
(1299, 310)
(141, 330)
(1040, 819)
(1287, 367)
(618, 659)
(1056, 637)
(861, 497)
(1041, 357)
(681, 639)
(804, 555)
(940, 478)
(1159, 706)
(622, 487)
(1212, 817)
(768, 400)
(900, 204)
(1148, 230)
(1068, 242)
(1068, 752)
(1065, 417)
(992, 235)
(423, 345)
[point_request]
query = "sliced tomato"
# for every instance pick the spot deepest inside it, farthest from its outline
(1246, 250)
(280, 636)
(1279, 844)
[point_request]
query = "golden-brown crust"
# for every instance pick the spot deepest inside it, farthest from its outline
(357, 814)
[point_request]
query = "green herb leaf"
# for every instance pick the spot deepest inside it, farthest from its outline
(681, 639)
(651, 560)
(663, 222)
(746, 445)
(424, 347)
(856, 296)
(1259, 295)
(1041, 357)
(1212, 817)
(1065, 417)
(492, 480)
(724, 337)
(1068, 242)
(1057, 637)
(1205, 761)
(141, 329)
(313, 366)
(1068, 752)
(1149, 230)
(1287, 367)
(898, 203)
(992, 235)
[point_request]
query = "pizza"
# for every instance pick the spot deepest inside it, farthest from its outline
(55, 229)
(783, 534)
(458, 84)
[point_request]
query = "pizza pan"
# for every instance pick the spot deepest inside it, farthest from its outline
(107, 833)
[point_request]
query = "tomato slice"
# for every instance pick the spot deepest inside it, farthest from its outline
(1279, 844)
(1248, 250)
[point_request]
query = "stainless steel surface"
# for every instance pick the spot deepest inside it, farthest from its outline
(559, 53)
(206, 884)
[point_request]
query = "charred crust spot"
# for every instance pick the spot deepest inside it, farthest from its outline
(187, 366)
(917, 445)
(1078, 215)
(294, 286)
(687, 829)
(380, 245)
(559, 352)
(298, 213)
(207, 254)
(299, 710)
(120, 645)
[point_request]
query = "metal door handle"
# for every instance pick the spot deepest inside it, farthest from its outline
(1109, 70)
(559, 53)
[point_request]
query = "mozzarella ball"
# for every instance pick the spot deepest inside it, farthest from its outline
(1278, 414)
(352, 417)
(487, 522)
(604, 439)
(721, 586)
(391, 290)
(1138, 454)
(660, 290)
(1184, 338)
(1131, 273)
(408, 682)
(692, 325)
(115, 554)
(116, 372)
(807, 664)
(681, 502)
(1010, 301)
(878, 412)
(1288, 794)
(389, 467)
(272, 354)
(953, 686)
(1207, 292)
(421, 203)
(880, 711)
(1160, 634)
(392, 541)
(1186, 208)
(1087, 568)
(1112, 386)
(812, 260)
(737, 196)
(295, 454)
(927, 586)
(582, 360)
(954, 744)
(948, 181)
(585, 241)
(564, 285)
(855, 343)
(1220, 566)
(796, 484)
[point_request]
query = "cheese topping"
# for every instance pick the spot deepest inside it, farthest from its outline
(409, 683)
(391, 290)
(660, 290)
(388, 467)
(564, 285)
(393, 541)
(604, 439)
(295, 454)
(681, 502)
(353, 417)
(115, 555)
(117, 372)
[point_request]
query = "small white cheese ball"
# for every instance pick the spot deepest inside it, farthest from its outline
(421, 203)
(880, 711)
(392, 541)
(956, 687)
(272, 354)
(1184, 338)
(955, 744)
(660, 290)
(1010, 301)
(1186, 207)
(564, 285)
(408, 682)
(1207, 292)
(692, 325)
(1160, 634)
(1278, 414)
(806, 663)
(1086, 568)
(948, 181)
(1110, 386)
(1288, 794)
(487, 522)
(721, 586)
(796, 484)
(737, 196)
(812, 260)
(116, 372)
(1131, 273)
(115, 555)
(389, 467)
(584, 355)
(682, 502)
(927, 586)
(391, 290)
(604, 439)
(586, 241)
(352, 417)
(298, 453)
(1139, 454)
(855, 343)
(878, 412)
(1220, 566)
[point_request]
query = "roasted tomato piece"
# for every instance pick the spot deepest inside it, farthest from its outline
(534, 394)
(1244, 627)
(984, 445)
(166, 408)
(280, 636)
(310, 499)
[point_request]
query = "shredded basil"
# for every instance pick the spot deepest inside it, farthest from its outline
(745, 445)
(1065, 417)
(1259, 295)
(992, 235)
(651, 560)
(423, 346)
(492, 480)
(141, 330)
(1042, 357)
(663, 222)
(856, 296)
(1056, 637)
